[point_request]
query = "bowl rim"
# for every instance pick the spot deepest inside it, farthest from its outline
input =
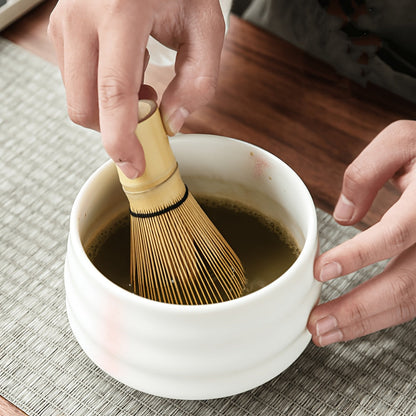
(129, 297)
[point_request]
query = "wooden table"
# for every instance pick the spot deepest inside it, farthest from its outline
(305, 113)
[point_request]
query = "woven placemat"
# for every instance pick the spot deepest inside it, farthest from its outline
(44, 161)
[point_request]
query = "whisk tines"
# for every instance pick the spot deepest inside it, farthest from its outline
(177, 254)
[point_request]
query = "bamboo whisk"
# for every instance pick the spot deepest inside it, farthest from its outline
(177, 255)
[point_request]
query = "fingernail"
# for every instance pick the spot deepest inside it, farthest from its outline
(129, 170)
(344, 209)
(326, 324)
(330, 338)
(330, 271)
(176, 120)
(327, 331)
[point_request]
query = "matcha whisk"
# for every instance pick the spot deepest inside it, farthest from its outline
(177, 255)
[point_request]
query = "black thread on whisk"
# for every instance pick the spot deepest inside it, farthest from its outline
(162, 211)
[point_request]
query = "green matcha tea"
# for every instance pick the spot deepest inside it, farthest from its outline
(265, 248)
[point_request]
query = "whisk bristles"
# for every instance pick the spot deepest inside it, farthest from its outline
(178, 256)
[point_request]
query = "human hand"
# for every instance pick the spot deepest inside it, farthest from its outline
(101, 51)
(389, 298)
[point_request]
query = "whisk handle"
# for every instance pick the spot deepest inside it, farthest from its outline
(160, 160)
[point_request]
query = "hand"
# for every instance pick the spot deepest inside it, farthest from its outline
(101, 51)
(389, 298)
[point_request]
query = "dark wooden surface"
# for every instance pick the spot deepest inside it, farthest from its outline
(275, 96)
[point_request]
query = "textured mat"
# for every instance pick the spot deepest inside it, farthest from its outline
(44, 161)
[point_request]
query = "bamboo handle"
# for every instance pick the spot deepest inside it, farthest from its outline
(160, 160)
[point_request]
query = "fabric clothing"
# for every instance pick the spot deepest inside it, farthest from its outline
(366, 41)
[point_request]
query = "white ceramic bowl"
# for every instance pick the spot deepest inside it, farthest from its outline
(196, 352)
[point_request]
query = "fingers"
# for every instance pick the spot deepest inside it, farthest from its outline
(77, 55)
(393, 234)
(197, 66)
(386, 300)
(389, 298)
(102, 56)
(80, 69)
(392, 149)
(392, 152)
(120, 72)
(101, 51)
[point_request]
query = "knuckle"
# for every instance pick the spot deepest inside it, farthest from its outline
(398, 236)
(362, 253)
(363, 257)
(81, 117)
(357, 314)
(354, 176)
(404, 288)
(111, 92)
